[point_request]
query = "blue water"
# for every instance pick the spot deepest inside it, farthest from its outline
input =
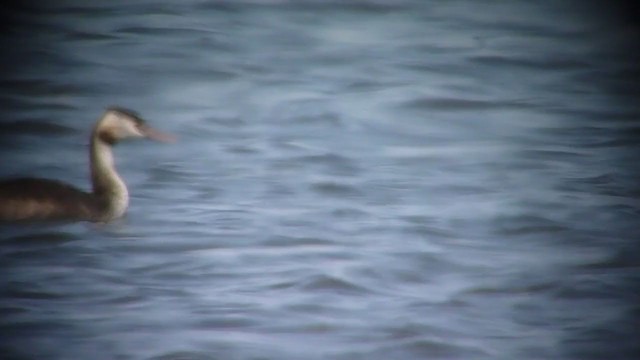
(353, 180)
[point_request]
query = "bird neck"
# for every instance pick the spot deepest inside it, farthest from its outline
(108, 187)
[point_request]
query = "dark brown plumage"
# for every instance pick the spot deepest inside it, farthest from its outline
(44, 199)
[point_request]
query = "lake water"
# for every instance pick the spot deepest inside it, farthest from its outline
(353, 180)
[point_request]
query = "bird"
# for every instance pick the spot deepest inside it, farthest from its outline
(37, 199)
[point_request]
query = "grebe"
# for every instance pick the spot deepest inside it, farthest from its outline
(43, 199)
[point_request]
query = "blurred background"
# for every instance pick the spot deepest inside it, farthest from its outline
(354, 179)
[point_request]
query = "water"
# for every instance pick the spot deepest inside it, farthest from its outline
(353, 180)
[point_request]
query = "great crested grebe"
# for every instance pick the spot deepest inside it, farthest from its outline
(43, 199)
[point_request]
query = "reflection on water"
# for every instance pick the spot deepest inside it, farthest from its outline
(354, 180)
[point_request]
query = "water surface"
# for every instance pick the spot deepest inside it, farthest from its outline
(354, 180)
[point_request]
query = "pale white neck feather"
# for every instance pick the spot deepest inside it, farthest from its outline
(107, 184)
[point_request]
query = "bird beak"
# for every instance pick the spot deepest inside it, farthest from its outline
(157, 135)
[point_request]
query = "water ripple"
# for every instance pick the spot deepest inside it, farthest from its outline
(457, 104)
(557, 64)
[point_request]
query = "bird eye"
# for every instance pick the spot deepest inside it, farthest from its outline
(139, 123)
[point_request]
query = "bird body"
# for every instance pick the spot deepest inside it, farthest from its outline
(28, 199)
(44, 199)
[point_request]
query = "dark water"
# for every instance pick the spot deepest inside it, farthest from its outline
(354, 180)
